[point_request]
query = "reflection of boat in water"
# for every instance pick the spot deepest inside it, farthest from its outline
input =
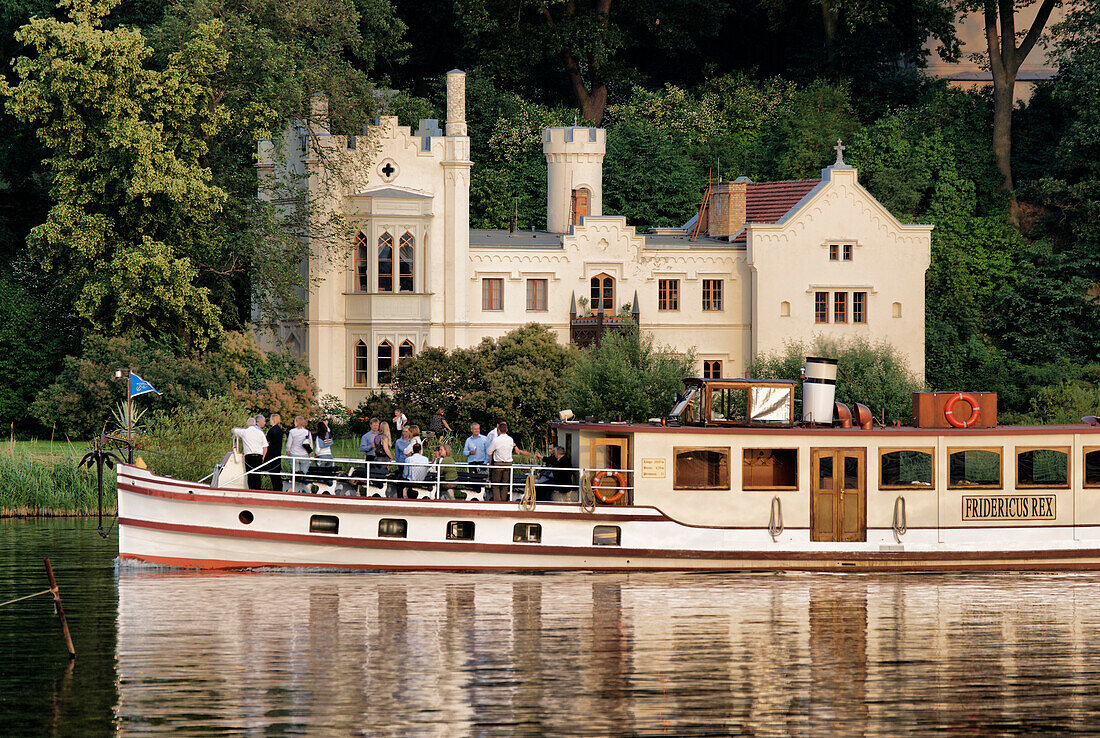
(606, 654)
(727, 481)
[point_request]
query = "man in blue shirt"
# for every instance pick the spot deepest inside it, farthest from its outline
(476, 449)
(366, 443)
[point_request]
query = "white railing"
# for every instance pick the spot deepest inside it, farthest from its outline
(359, 478)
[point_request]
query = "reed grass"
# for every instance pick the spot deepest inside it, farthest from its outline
(33, 483)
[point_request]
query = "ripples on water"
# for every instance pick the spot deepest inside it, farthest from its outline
(569, 654)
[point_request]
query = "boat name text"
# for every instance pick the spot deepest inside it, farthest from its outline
(1025, 507)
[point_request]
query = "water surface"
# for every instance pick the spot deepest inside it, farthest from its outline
(569, 654)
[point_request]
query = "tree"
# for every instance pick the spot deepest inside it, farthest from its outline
(626, 377)
(31, 352)
(1005, 57)
(132, 198)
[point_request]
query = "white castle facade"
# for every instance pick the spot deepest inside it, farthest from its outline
(770, 263)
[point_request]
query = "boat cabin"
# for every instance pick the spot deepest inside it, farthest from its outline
(735, 402)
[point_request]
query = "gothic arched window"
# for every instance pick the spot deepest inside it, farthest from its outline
(405, 350)
(362, 365)
(362, 263)
(603, 293)
(385, 364)
(407, 255)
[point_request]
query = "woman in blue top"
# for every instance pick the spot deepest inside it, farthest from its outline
(403, 445)
(322, 445)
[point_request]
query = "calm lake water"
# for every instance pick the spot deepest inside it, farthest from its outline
(570, 654)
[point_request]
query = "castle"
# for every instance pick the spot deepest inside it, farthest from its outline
(764, 263)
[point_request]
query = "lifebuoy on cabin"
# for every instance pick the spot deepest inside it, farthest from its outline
(609, 494)
(955, 409)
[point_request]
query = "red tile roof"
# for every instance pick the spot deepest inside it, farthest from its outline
(767, 202)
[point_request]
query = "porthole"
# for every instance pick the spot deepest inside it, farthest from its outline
(606, 535)
(527, 533)
(246, 517)
(460, 530)
(324, 524)
(393, 528)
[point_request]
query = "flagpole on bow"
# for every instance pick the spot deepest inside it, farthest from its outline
(130, 417)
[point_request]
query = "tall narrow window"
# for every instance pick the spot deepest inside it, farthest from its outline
(581, 207)
(407, 254)
(712, 369)
(859, 307)
(536, 295)
(492, 294)
(362, 364)
(362, 263)
(833, 252)
(385, 364)
(603, 293)
(821, 307)
(385, 263)
(847, 252)
(405, 350)
(668, 294)
(840, 307)
(712, 294)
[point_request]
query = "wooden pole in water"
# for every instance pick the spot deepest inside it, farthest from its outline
(60, 609)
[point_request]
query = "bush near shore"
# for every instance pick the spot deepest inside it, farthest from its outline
(50, 485)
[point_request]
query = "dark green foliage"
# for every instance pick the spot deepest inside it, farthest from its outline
(626, 377)
(649, 177)
(516, 378)
(374, 405)
(873, 374)
(31, 354)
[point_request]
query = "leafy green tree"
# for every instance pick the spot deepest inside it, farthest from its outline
(133, 199)
(628, 377)
(649, 177)
(802, 140)
(875, 374)
(31, 352)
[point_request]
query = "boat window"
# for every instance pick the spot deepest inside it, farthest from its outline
(246, 517)
(689, 408)
(774, 468)
(460, 530)
(324, 524)
(606, 535)
(974, 467)
(527, 533)
(393, 528)
(905, 468)
(1042, 467)
(1092, 467)
(825, 473)
(701, 468)
(729, 404)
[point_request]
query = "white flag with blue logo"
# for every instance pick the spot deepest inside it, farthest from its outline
(139, 386)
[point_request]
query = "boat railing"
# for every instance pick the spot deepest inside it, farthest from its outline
(359, 478)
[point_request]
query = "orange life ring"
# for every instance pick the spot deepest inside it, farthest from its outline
(621, 488)
(975, 410)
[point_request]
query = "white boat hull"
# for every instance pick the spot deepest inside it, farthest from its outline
(185, 524)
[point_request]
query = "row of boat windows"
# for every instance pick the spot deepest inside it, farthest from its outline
(902, 468)
(457, 530)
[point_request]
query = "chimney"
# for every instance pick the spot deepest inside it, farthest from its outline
(818, 390)
(456, 103)
(726, 212)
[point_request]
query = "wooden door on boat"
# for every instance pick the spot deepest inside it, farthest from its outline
(611, 453)
(838, 494)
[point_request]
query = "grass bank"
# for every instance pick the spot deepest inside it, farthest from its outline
(38, 478)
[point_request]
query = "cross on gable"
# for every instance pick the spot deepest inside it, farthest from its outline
(389, 169)
(839, 148)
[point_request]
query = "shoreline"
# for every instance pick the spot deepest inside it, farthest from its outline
(24, 514)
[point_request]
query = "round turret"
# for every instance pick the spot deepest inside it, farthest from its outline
(574, 175)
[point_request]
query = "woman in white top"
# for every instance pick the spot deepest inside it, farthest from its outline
(299, 444)
(322, 445)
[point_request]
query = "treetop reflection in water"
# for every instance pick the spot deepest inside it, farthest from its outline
(577, 654)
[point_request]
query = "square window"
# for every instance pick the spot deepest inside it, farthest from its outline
(701, 468)
(821, 307)
(492, 294)
(770, 468)
(668, 294)
(536, 295)
(460, 530)
(712, 294)
(527, 533)
(393, 528)
(840, 307)
(974, 467)
(606, 535)
(1042, 467)
(712, 369)
(905, 468)
(1092, 466)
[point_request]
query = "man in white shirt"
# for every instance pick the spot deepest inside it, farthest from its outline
(416, 465)
(253, 443)
(399, 420)
(500, 456)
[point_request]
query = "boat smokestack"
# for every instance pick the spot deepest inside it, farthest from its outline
(818, 390)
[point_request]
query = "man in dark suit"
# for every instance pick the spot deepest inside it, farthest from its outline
(272, 464)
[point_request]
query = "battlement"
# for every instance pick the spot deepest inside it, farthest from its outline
(574, 140)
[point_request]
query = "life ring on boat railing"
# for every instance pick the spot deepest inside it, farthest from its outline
(620, 487)
(975, 410)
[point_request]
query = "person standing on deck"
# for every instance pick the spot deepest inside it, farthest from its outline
(253, 443)
(439, 424)
(476, 449)
(299, 446)
(402, 447)
(399, 420)
(500, 456)
(369, 441)
(272, 464)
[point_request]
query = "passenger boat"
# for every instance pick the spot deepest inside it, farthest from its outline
(730, 479)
